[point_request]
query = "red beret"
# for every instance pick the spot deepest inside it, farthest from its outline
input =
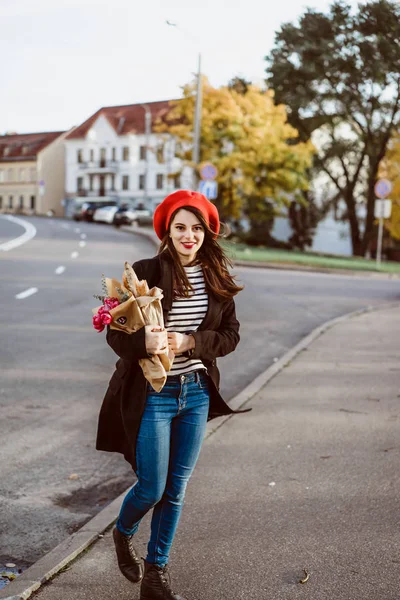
(180, 199)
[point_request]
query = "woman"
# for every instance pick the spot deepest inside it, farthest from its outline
(161, 434)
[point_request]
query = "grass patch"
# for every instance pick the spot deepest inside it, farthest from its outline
(239, 251)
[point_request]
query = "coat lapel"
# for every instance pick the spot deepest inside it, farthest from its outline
(213, 310)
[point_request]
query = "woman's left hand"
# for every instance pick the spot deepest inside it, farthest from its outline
(180, 342)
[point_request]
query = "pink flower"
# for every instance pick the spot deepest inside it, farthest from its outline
(101, 310)
(111, 303)
(106, 318)
(97, 323)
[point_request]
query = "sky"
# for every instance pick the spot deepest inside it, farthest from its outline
(64, 59)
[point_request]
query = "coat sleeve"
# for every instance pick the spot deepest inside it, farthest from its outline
(211, 344)
(129, 346)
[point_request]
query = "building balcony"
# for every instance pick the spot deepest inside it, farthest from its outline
(99, 167)
(97, 194)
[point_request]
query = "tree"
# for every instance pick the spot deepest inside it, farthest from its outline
(339, 76)
(245, 135)
(391, 170)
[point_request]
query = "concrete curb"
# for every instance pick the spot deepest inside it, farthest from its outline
(150, 235)
(53, 562)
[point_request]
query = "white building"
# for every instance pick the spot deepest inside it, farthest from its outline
(32, 173)
(106, 157)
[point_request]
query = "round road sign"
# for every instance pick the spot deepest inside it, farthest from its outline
(208, 171)
(383, 187)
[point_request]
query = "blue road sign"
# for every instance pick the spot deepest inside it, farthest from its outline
(383, 187)
(209, 189)
(208, 171)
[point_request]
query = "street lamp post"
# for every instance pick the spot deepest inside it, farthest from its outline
(147, 133)
(197, 125)
(197, 114)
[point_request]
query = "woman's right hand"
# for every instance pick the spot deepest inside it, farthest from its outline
(155, 339)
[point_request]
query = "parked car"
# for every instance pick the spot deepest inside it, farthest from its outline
(105, 214)
(127, 214)
(85, 211)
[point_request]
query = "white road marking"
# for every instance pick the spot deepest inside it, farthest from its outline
(74, 254)
(65, 226)
(77, 230)
(30, 232)
(82, 244)
(26, 293)
(59, 270)
(83, 236)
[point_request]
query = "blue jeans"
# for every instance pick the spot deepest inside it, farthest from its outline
(168, 445)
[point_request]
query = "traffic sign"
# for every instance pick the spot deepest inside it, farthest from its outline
(383, 209)
(209, 189)
(383, 187)
(208, 171)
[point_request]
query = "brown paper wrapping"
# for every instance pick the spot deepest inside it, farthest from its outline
(143, 307)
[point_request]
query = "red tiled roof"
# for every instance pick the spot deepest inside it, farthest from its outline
(124, 119)
(25, 146)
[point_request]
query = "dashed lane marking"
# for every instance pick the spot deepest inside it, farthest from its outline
(59, 270)
(74, 254)
(26, 293)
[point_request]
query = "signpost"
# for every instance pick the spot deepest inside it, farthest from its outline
(207, 185)
(383, 209)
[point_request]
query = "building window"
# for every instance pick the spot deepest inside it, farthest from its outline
(113, 182)
(113, 154)
(32, 174)
(160, 153)
(33, 202)
(125, 182)
(1, 176)
(6, 151)
(79, 156)
(91, 155)
(10, 175)
(21, 202)
(125, 153)
(91, 183)
(22, 174)
(1, 202)
(160, 181)
(177, 181)
(142, 182)
(79, 184)
(10, 202)
(142, 152)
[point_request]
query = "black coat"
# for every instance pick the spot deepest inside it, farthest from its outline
(124, 402)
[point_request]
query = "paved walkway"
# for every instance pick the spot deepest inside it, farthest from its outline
(309, 479)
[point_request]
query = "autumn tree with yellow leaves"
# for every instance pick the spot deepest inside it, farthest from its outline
(391, 170)
(247, 137)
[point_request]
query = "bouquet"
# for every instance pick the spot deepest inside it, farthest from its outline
(128, 306)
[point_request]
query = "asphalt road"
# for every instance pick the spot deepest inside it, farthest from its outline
(55, 367)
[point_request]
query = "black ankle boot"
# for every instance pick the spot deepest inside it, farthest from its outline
(156, 584)
(129, 560)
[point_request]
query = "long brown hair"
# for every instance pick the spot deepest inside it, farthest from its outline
(210, 256)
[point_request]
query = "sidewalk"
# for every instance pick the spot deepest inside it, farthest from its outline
(309, 479)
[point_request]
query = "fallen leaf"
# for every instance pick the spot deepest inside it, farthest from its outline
(306, 578)
(73, 476)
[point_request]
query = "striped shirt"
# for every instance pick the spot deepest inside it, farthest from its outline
(187, 314)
